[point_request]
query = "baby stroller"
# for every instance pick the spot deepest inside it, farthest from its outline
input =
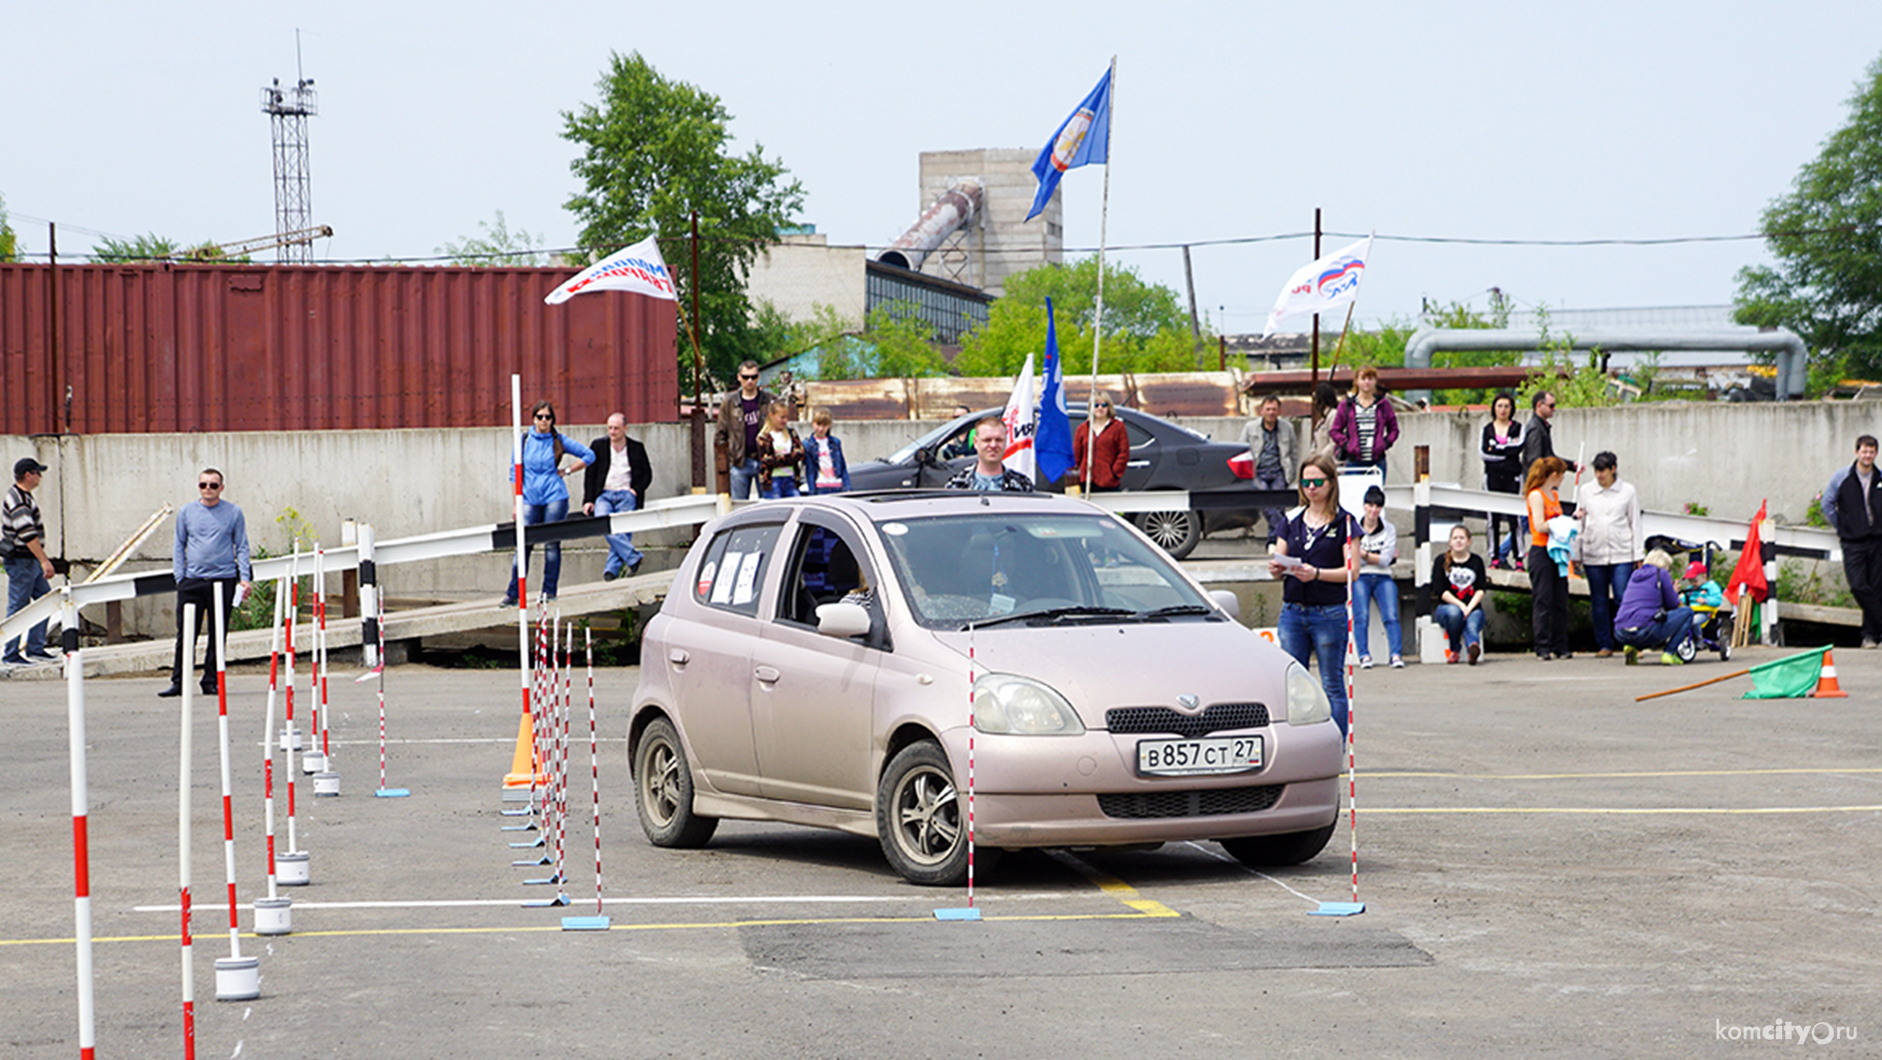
(1712, 620)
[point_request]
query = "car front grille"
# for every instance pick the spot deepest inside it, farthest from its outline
(1214, 718)
(1212, 802)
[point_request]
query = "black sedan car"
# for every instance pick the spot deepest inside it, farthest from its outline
(1164, 456)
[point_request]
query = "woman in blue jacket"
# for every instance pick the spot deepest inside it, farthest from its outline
(545, 495)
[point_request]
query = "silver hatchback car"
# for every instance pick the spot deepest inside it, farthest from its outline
(835, 660)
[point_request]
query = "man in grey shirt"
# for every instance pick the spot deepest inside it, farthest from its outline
(210, 559)
(1276, 454)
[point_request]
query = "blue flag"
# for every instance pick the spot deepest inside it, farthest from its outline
(1052, 439)
(1081, 139)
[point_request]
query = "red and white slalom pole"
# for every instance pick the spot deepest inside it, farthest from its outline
(523, 661)
(81, 840)
(293, 868)
(238, 978)
(596, 922)
(314, 751)
(384, 792)
(273, 914)
(969, 913)
(183, 835)
(1352, 789)
(562, 768)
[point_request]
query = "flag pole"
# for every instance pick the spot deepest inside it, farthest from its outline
(1097, 324)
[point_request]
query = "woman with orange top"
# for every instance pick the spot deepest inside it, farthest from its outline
(1548, 587)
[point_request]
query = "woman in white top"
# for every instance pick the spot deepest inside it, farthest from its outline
(1378, 548)
(1612, 545)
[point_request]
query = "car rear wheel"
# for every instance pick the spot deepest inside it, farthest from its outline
(1176, 533)
(920, 819)
(663, 790)
(1291, 848)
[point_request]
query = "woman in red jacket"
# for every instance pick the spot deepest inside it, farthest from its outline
(1113, 449)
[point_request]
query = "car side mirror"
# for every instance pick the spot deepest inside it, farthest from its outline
(842, 620)
(924, 457)
(1228, 602)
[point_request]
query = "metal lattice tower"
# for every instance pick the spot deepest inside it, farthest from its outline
(293, 205)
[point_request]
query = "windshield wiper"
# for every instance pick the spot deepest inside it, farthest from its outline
(1173, 610)
(1054, 614)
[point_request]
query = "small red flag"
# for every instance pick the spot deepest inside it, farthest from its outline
(1749, 574)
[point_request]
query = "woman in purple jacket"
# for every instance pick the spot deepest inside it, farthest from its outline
(1365, 425)
(1651, 615)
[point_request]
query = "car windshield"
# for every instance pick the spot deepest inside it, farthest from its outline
(1035, 568)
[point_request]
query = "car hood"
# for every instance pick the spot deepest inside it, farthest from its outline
(1098, 667)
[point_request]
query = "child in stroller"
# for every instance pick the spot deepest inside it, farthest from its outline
(1712, 619)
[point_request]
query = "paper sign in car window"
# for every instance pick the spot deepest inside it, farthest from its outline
(722, 589)
(746, 589)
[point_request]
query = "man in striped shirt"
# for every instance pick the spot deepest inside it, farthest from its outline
(29, 571)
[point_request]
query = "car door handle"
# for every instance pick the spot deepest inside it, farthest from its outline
(678, 657)
(767, 674)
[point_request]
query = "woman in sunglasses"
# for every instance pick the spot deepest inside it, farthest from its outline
(545, 495)
(1102, 464)
(1311, 557)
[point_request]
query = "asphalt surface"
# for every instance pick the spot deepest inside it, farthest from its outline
(1548, 869)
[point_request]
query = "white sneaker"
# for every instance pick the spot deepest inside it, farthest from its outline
(1398, 663)
(1365, 662)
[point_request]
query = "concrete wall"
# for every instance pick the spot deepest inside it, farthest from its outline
(100, 487)
(802, 272)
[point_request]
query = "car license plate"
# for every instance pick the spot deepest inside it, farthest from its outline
(1183, 758)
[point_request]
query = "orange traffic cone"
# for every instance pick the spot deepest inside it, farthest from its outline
(1826, 681)
(525, 771)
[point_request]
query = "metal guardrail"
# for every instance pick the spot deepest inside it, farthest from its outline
(470, 540)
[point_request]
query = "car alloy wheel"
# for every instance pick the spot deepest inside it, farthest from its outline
(1176, 532)
(663, 790)
(920, 819)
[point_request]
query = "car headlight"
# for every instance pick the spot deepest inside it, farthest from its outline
(1306, 701)
(1008, 703)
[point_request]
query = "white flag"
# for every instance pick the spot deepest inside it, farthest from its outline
(637, 268)
(1020, 424)
(1321, 285)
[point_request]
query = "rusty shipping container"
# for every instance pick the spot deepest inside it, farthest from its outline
(97, 349)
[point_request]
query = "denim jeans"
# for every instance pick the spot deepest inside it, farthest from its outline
(1606, 582)
(1369, 589)
(743, 474)
(621, 551)
(536, 515)
(1319, 632)
(1667, 633)
(781, 486)
(1274, 516)
(1462, 630)
(1378, 462)
(26, 582)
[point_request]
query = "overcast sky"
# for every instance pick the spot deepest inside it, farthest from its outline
(1232, 121)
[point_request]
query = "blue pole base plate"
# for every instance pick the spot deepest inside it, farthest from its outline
(584, 923)
(1339, 909)
(391, 793)
(957, 914)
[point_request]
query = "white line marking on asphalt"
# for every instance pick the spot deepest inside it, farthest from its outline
(781, 899)
(1220, 856)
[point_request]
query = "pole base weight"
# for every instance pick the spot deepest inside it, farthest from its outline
(1339, 909)
(238, 978)
(584, 923)
(293, 869)
(274, 916)
(391, 793)
(957, 914)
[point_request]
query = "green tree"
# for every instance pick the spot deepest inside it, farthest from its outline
(496, 245)
(1146, 328)
(141, 248)
(9, 241)
(653, 151)
(1827, 238)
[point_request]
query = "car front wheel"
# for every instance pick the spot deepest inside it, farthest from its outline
(921, 818)
(1176, 533)
(1291, 848)
(663, 790)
